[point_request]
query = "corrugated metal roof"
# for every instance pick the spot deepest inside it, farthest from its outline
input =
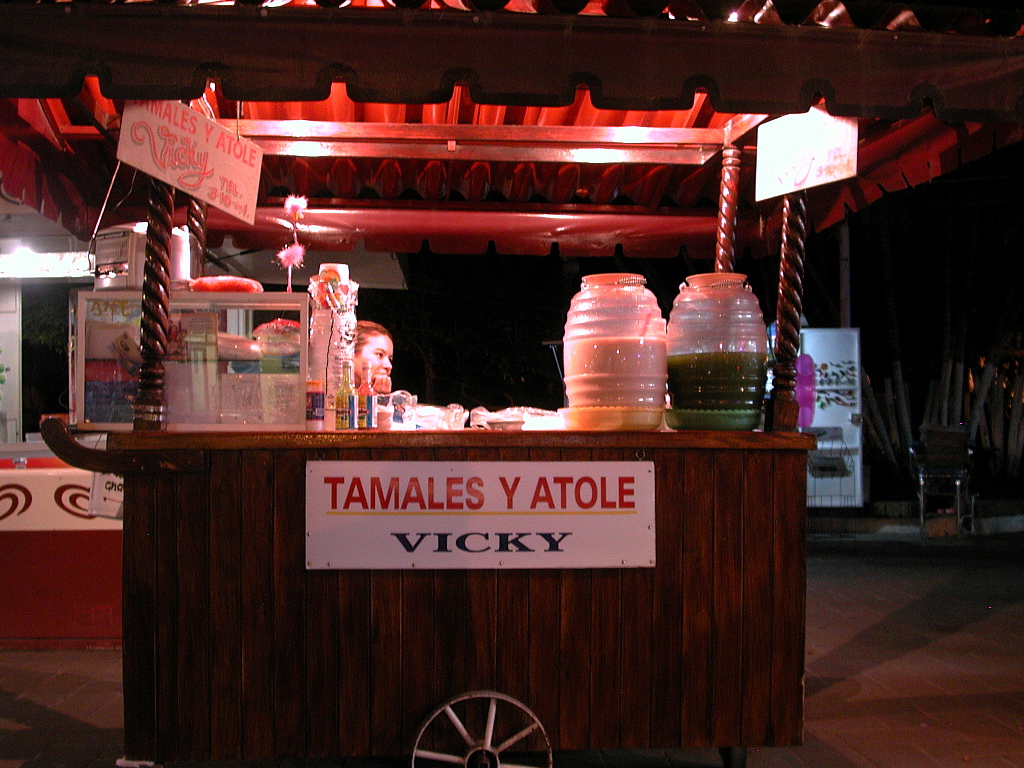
(464, 127)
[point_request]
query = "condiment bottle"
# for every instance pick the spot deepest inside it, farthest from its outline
(366, 400)
(345, 407)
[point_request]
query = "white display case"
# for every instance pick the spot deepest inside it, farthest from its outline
(217, 375)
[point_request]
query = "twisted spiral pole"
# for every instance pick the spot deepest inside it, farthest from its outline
(196, 223)
(728, 210)
(151, 404)
(783, 409)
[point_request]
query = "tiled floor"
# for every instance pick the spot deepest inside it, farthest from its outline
(915, 659)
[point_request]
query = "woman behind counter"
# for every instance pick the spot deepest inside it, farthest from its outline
(374, 345)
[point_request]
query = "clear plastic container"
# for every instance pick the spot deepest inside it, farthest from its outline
(717, 354)
(614, 355)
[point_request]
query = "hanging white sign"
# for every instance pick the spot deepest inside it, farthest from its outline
(501, 514)
(800, 151)
(172, 142)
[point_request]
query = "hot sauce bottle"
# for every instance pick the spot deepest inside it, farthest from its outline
(345, 408)
(366, 399)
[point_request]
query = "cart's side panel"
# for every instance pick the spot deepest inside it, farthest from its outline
(512, 625)
(168, 601)
(730, 509)
(387, 640)
(350, 647)
(324, 621)
(138, 644)
(638, 668)
(193, 566)
(545, 656)
(696, 508)
(234, 650)
(758, 604)
(790, 557)
(289, 604)
(258, 707)
(606, 644)
(225, 540)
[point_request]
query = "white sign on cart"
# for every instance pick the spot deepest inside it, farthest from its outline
(500, 514)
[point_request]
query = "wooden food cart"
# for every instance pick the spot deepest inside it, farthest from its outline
(234, 650)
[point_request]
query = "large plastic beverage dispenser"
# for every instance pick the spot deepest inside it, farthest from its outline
(614, 355)
(717, 354)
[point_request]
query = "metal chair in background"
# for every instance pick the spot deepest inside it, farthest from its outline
(943, 460)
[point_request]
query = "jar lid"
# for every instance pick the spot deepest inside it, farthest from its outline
(613, 278)
(715, 280)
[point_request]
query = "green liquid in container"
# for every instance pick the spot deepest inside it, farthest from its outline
(716, 390)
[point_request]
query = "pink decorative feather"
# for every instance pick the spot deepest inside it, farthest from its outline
(292, 255)
(294, 206)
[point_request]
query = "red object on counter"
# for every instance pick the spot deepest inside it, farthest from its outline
(226, 284)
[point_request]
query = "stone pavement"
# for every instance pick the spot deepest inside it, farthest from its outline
(915, 659)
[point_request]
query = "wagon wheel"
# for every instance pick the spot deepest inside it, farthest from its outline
(509, 734)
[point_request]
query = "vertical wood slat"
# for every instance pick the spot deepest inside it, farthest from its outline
(351, 647)
(789, 569)
(257, 692)
(325, 638)
(481, 609)
(545, 654)
(727, 644)
(386, 644)
(758, 600)
(167, 648)
(606, 638)
(697, 586)
(193, 546)
(138, 614)
(512, 630)
(225, 583)
(289, 604)
(452, 641)
(669, 684)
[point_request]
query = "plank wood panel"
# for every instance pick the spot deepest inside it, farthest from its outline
(758, 605)
(606, 636)
(138, 644)
(694, 654)
(258, 707)
(168, 601)
(387, 640)
(669, 610)
(512, 609)
(545, 656)
(225, 584)
(727, 579)
(289, 604)
(323, 634)
(193, 546)
(790, 557)
(323, 647)
(449, 645)
(349, 662)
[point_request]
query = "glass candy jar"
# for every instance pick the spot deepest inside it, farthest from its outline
(614, 355)
(717, 354)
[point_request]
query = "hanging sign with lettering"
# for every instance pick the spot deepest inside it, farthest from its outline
(172, 142)
(500, 514)
(805, 150)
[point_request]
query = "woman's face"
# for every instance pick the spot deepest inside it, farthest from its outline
(378, 351)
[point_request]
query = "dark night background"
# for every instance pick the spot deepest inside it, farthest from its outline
(936, 271)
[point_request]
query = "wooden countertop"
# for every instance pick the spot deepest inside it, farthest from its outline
(467, 438)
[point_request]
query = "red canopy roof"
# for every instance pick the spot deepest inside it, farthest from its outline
(461, 127)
